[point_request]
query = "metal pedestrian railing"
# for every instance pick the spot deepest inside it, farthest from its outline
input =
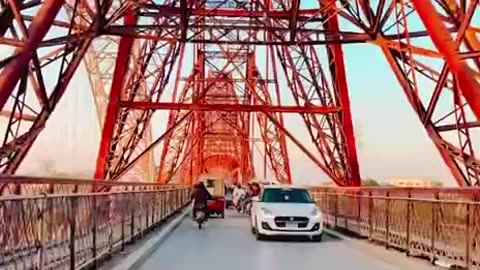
(439, 224)
(72, 224)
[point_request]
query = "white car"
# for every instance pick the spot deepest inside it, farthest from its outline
(286, 211)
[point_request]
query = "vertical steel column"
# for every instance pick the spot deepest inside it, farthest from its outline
(94, 229)
(119, 75)
(337, 69)
(171, 120)
(408, 226)
(199, 92)
(468, 235)
(73, 228)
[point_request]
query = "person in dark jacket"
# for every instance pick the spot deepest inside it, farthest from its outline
(200, 196)
(255, 189)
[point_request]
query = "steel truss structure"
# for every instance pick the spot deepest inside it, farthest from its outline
(134, 52)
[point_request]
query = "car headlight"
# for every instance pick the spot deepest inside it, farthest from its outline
(315, 212)
(265, 211)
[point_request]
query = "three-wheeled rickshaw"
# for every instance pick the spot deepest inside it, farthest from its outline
(216, 187)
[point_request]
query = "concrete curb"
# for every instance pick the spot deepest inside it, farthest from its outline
(336, 234)
(137, 258)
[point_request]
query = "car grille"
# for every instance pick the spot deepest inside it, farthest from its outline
(291, 219)
(281, 221)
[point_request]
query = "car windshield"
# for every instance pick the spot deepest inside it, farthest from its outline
(286, 195)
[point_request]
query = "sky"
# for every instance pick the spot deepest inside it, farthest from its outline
(391, 142)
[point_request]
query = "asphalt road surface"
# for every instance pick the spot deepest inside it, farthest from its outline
(229, 245)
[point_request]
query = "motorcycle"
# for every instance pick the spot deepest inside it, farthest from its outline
(200, 217)
(247, 207)
(239, 205)
(244, 204)
(247, 203)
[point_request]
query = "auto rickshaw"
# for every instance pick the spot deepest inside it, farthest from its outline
(216, 187)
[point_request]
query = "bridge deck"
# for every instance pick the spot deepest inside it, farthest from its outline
(228, 244)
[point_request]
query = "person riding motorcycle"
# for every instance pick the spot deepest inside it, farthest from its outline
(200, 196)
(255, 189)
(238, 193)
(246, 201)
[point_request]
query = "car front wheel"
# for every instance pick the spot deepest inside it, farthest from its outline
(317, 238)
(258, 235)
(252, 226)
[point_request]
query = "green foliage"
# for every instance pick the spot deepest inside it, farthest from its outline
(437, 184)
(369, 182)
(47, 168)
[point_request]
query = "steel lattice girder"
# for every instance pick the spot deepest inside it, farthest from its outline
(215, 136)
(277, 24)
(228, 107)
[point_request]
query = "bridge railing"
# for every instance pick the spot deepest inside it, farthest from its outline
(440, 224)
(72, 224)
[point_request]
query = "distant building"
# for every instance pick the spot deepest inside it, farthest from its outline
(368, 182)
(328, 183)
(414, 182)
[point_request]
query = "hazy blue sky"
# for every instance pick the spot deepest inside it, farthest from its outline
(391, 142)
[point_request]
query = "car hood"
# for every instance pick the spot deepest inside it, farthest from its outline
(289, 209)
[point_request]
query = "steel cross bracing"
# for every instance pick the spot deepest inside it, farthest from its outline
(131, 48)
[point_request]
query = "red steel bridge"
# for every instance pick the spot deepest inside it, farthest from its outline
(226, 74)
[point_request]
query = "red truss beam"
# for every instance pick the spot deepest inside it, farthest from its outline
(150, 147)
(145, 81)
(225, 153)
(459, 157)
(337, 70)
(216, 137)
(140, 105)
(132, 125)
(176, 143)
(121, 66)
(468, 84)
(224, 37)
(270, 130)
(17, 142)
(36, 32)
(309, 84)
(217, 24)
(15, 115)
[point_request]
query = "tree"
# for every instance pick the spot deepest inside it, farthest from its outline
(47, 166)
(327, 184)
(437, 184)
(369, 182)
